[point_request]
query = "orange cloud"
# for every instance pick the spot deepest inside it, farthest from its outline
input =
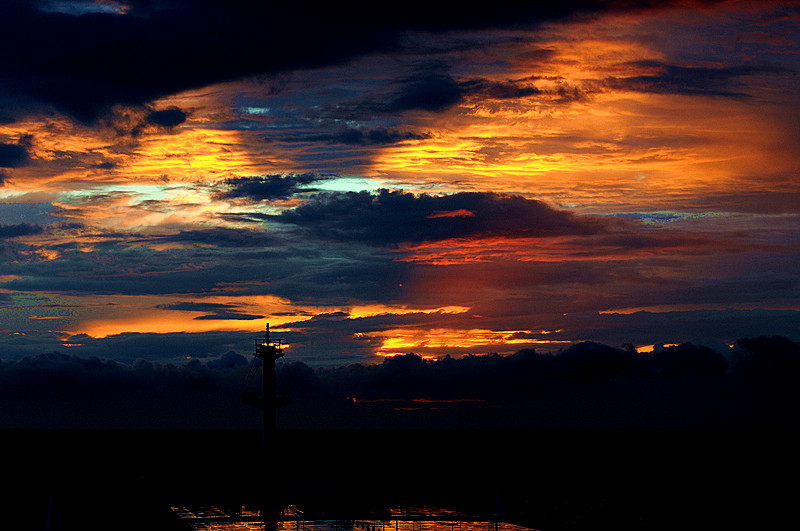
(460, 213)
(589, 138)
(440, 341)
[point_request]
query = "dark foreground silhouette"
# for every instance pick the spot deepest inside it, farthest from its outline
(587, 386)
(549, 480)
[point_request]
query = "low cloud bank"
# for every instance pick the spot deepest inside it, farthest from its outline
(764, 359)
(756, 384)
(61, 391)
(588, 385)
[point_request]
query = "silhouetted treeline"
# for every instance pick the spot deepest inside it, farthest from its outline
(588, 385)
(769, 360)
(754, 384)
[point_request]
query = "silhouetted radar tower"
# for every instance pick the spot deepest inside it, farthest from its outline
(268, 398)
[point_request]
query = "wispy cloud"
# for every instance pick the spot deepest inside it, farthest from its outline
(212, 311)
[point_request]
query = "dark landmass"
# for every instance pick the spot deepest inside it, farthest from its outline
(589, 385)
(549, 480)
(593, 437)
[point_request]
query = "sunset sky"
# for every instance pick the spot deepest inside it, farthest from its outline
(396, 177)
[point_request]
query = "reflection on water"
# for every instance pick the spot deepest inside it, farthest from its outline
(244, 518)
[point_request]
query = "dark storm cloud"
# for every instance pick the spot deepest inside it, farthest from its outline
(693, 80)
(134, 270)
(162, 348)
(5, 300)
(778, 202)
(498, 89)
(82, 7)
(20, 229)
(83, 62)
(203, 261)
(428, 92)
(212, 310)
(700, 326)
(166, 118)
(268, 187)
(429, 89)
(394, 217)
(217, 237)
(5, 117)
(335, 338)
(331, 339)
(377, 136)
(225, 315)
(13, 156)
(137, 121)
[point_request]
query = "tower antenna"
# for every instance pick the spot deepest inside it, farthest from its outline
(268, 398)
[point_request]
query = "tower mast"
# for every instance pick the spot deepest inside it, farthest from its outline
(268, 399)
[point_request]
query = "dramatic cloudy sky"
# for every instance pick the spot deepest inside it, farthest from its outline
(396, 177)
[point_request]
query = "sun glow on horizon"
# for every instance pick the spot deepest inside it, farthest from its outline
(428, 342)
